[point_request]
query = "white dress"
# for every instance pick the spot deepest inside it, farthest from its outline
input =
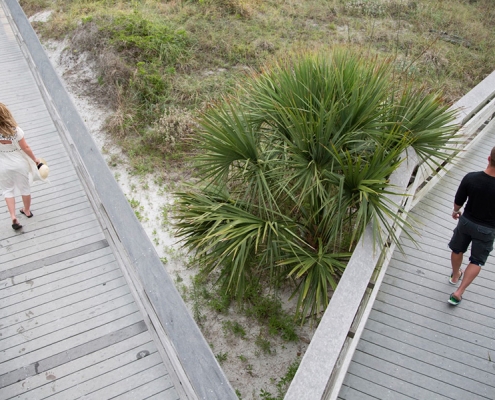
(15, 168)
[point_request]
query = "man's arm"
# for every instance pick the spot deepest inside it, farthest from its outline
(460, 198)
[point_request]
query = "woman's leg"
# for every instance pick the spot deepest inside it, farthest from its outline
(11, 206)
(26, 201)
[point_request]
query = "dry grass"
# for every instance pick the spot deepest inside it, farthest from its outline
(230, 33)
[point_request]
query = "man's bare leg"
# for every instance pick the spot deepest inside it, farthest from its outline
(456, 261)
(470, 273)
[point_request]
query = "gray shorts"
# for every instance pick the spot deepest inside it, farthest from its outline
(480, 236)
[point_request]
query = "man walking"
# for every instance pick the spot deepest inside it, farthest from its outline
(476, 225)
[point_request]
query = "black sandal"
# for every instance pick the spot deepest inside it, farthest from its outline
(22, 212)
(16, 225)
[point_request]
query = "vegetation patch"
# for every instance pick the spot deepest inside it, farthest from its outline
(151, 56)
(297, 164)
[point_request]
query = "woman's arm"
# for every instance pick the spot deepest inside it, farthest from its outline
(25, 147)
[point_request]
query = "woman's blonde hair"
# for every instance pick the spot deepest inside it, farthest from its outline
(7, 122)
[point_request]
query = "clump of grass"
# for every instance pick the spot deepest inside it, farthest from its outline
(32, 7)
(263, 343)
(268, 310)
(222, 357)
(174, 128)
(234, 328)
(283, 383)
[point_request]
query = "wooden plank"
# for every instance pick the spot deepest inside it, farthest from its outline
(431, 279)
(425, 322)
(59, 236)
(437, 368)
(365, 389)
(384, 379)
(44, 217)
(138, 385)
(160, 387)
(67, 356)
(25, 338)
(67, 256)
(18, 357)
(83, 382)
(28, 281)
(39, 252)
(425, 329)
(89, 389)
(437, 308)
(32, 325)
(42, 309)
(443, 348)
(402, 277)
(58, 290)
(166, 395)
(71, 371)
(25, 279)
(420, 384)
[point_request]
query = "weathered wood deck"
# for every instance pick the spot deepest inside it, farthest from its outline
(415, 345)
(72, 326)
(69, 323)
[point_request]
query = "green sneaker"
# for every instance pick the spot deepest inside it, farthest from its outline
(454, 300)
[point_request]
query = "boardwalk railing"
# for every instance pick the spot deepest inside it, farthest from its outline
(325, 363)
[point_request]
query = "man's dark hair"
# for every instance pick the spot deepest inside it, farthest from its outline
(492, 156)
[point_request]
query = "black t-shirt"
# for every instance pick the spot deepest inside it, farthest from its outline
(479, 190)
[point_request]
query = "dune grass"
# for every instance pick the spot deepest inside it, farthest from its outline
(160, 61)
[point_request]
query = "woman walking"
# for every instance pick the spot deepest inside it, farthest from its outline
(14, 165)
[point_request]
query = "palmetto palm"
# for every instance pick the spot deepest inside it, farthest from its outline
(297, 164)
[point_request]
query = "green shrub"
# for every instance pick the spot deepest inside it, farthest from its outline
(296, 166)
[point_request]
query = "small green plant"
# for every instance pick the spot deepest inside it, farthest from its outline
(114, 160)
(139, 216)
(265, 395)
(220, 302)
(283, 383)
(268, 310)
(221, 357)
(164, 212)
(134, 203)
(242, 358)
(263, 344)
(235, 328)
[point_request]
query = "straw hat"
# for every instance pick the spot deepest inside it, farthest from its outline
(43, 169)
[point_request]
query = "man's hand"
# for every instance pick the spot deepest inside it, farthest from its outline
(456, 214)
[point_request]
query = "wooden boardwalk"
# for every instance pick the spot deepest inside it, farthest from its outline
(415, 345)
(70, 325)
